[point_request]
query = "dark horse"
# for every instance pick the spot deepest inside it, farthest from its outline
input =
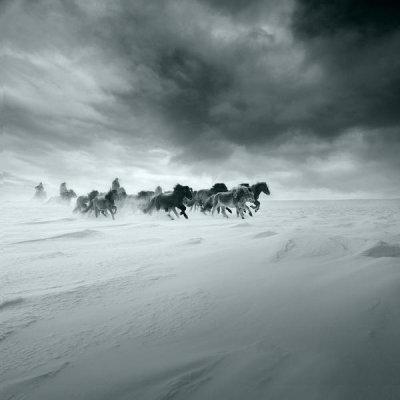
(104, 203)
(257, 189)
(168, 201)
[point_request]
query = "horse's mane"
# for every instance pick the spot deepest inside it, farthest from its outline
(218, 187)
(182, 189)
(144, 193)
(109, 196)
(258, 184)
(93, 194)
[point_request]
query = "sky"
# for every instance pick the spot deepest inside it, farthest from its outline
(302, 94)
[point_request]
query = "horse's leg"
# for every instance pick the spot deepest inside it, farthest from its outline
(257, 207)
(183, 209)
(96, 212)
(243, 211)
(223, 212)
(112, 213)
(248, 209)
(169, 213)
(215, 206)
(175, 212)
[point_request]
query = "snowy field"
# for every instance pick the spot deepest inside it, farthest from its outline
(301, 301)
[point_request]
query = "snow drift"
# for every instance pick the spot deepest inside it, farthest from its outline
(299, 302)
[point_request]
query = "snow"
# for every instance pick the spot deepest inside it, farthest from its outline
(301, 301)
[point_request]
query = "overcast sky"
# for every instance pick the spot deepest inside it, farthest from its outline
(303, 94)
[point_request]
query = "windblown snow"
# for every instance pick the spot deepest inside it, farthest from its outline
(301, 301)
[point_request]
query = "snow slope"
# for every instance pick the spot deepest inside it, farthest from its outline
(301, 301)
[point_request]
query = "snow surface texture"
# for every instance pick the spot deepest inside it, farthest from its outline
(301, 301)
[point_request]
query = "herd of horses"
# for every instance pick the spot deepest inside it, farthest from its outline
(182, 198)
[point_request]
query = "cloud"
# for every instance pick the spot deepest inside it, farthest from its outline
(304, 92)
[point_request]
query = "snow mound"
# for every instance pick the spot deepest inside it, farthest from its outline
(312, 245)
(284, 305)
(53, 221)
(383, 249)
(264, 234)
(70, 235)
(10, 303)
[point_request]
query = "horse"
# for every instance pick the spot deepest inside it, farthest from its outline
(83, 202)
(168, 201)
(142, 199)
(201, 197)
(40, 193)
(207, 204)
(104, 203)
(68, 195)
(237, 198)
(65, 197)
(257, 189)
(115, 184)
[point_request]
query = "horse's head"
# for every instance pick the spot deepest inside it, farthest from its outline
(264, 188)
(111, 196)
(185, 191)
(243, 193)
(158, 190)
(93, 194)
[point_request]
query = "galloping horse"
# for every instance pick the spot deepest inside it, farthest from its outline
(257, 189)
(203, 195)
(168, 201)
(83, 202)
(142, 199)
(104, 203)
(40, 193)
(62, 199)
(237, 198)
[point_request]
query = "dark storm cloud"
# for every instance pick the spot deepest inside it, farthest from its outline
(233, 6)
(282, 82)
(246, 84)
(355, 42)
(369, 18)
